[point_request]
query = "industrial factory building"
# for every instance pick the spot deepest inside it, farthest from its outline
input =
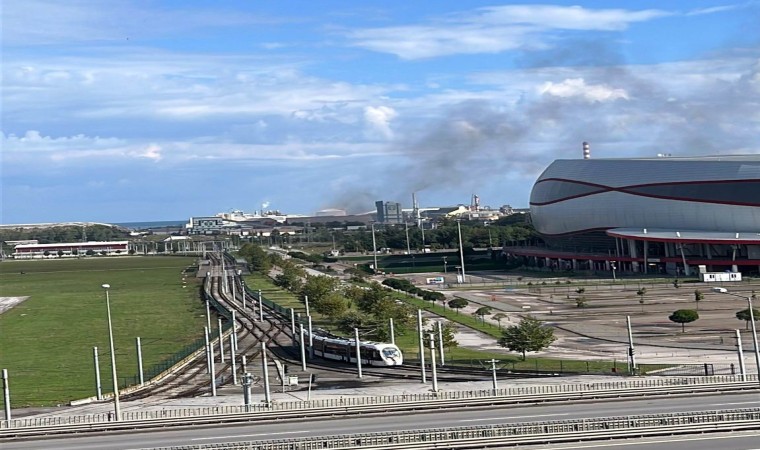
(663, 215)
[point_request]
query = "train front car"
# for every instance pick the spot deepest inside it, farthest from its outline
(377, 354)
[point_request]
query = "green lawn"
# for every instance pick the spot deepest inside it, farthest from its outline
(46, 342)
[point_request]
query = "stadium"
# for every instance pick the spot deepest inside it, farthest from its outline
(664, 215)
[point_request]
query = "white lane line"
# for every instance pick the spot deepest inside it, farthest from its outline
(513, 417)
(735, 403)
(238, 436)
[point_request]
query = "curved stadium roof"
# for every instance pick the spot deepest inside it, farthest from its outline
(718, 194)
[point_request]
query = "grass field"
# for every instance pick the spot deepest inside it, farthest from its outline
(46, 342)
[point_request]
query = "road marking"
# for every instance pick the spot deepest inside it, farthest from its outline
(735, 403)
(237, 436)
(513, 417)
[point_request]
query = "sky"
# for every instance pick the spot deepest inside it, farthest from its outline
(143, 110)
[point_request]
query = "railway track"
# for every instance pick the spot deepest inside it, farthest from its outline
(275, 332)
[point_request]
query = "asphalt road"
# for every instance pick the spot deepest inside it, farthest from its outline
(451, 418)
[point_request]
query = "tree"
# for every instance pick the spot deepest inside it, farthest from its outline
(580, 302)
(745, 316)
(318, 287)
(482, 312)
(290, 277)
(698, 296)
(684, 316)
(448, 332)
(256, 257)
(498, 317)
(530, 335)
(333, 305)
(641, 293)
(458, 303)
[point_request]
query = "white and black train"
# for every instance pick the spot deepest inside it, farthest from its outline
(330, 346)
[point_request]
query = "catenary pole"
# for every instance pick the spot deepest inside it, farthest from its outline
(440, 343)
(265, 371)
(742, 368)
(303, 350)
(98, 386)
(432, 362)
(140, 372)
(631, 350)
(358, 353)
(221, 340)
(232, 362)
(6, 395)
(422, 345)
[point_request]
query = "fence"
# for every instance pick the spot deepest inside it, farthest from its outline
(395, 400)
(525, 433)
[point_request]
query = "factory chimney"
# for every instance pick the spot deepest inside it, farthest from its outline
(586, 151)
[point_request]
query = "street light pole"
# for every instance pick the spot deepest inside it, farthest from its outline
(754, 330)
(374, 247)
(408, 246)
(461, 251)
(117, 408)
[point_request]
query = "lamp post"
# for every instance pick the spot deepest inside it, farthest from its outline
(117, 409)
(754, 330)
(374, 248)
(461, 251)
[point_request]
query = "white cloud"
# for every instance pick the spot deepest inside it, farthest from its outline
(43, 22)
(170, 86)
(577, 87)
(152, 151)
(494, 29)
(379, 120)
(565, 17)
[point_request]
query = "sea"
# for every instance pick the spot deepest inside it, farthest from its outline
(154, 224)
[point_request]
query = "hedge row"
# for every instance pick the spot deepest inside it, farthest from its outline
(407, 286)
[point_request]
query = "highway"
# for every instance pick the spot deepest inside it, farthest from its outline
(436, 419)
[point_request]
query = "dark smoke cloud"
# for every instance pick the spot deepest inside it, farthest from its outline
(490, 142)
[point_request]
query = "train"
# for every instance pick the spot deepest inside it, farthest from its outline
(330, 346)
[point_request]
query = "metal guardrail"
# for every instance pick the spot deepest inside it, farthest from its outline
(520, 433)
(379, 404)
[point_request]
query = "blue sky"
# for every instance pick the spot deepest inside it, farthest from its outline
(137, 110)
